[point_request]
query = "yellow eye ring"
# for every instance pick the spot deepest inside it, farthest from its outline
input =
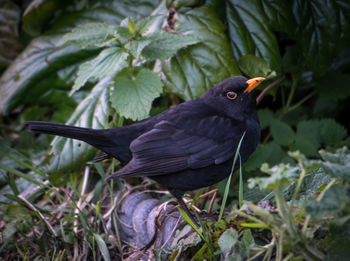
(231, 95)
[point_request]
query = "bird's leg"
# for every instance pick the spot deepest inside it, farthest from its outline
(178, 194)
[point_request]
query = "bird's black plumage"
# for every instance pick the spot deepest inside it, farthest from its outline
(186, 147)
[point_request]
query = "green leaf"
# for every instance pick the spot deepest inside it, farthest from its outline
(265, 153)
(33, 65)
(132, 98)
(102, 246)
(250, 33)
(150, 23)
(279, 15)
(265, 117)
(337, 164)
(94, 34)
(333, 201)
(282, 133)
(9, 41)
(92, 112)
(43, 58)
(193, 71)
(38, 14)
(227, 240)
(319, 31)
(164, 45)
(259, 157)
(338, 242)
(137, 46)
(280, 175)
(110, 61)
(307, 138)
(253, 66)
(131, 26)
(332, 132)
(333, 86)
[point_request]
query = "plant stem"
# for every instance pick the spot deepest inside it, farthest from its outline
(301, 101)
(290, 97)
(273, 84)
(296, 191)
(285, 212)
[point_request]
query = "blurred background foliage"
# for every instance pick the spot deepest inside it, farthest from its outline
(303, 47)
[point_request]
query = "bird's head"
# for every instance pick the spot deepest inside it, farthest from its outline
(234, 97)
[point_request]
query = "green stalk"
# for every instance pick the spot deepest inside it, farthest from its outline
(285, 211)
(240, 192)
(297, 188)
(228, 183)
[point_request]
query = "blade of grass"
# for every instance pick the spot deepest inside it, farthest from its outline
(12, 184)
(228, 183)
(119, 242)
(205, 233)
(240, 192)
(190, 222)
(24, 164)
(100, 170)
(22, 175)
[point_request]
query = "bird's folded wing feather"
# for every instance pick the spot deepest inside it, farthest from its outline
(168, 148)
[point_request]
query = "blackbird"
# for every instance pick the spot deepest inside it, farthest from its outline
(187, 147)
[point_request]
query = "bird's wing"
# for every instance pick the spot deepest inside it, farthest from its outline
(168, 148)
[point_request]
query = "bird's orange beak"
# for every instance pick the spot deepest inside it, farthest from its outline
(253, 83)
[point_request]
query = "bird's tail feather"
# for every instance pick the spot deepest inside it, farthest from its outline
(95, 138)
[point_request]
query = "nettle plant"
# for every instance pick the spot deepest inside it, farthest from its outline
(126, 50)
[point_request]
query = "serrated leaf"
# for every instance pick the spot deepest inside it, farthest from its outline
(305, 146)
(42, 58)
(332, 132)
(253, 66)
(227, 240)
(265, 117)
(145, 25)
(92, 112)
(132, 98)
(131, 26)
(198, 68)
(282, 133)
(307, 138)
(250, 33)
(271, 153)
(259, 157)
(108, 62)
(164, 45)
(319, 31)
(337, 164)
(280, 175)
(334, 200)
(94, 34)
(137, 46)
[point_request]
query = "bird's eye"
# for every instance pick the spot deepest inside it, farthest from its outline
(231, 95)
